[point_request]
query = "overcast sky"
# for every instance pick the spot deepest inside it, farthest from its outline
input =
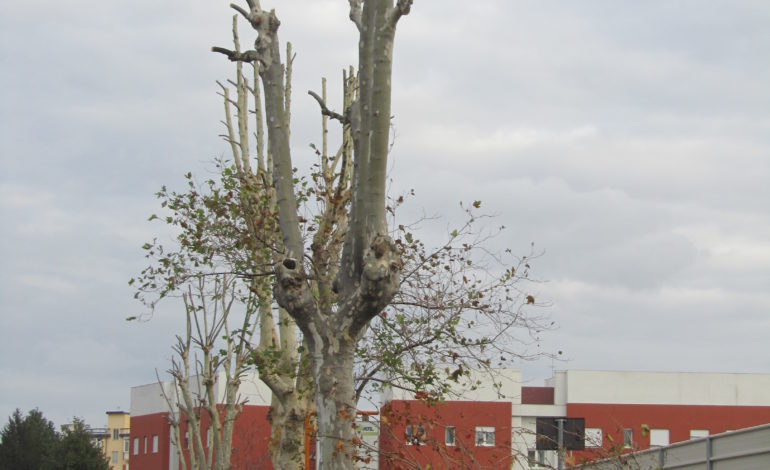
(628, 140)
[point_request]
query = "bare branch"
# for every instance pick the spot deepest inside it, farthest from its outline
(326, 111)
(248, 56)
(240, 10)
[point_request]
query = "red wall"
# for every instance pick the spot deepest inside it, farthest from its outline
(537, 395)
(251, 436)
(678, 419)
(147, 426)
(464, 416)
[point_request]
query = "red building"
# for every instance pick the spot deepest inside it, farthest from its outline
(456, 434)
(622, 411)
(495, 427)
(152, 446)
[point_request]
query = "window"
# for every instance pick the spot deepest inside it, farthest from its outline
(628, 438)
(415, 434)
(145, 444)
(187, 439)
(593, 437)
(536, 458)
(126, 444)
(115, 435)
(485, 436)
(658, 437)
(449, 436)
(209, 438)
(698, 433)
(114, 457)
(136, 446)
(155, 444)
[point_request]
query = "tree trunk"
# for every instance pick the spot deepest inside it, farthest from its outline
(288, 428)
(335, 403)
(370, 265)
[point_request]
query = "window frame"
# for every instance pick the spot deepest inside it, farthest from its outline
(484, 432)
(450, 431)
(628, 438)
(590, 438)
(414, 434)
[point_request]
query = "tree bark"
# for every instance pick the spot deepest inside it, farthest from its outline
(368, 274)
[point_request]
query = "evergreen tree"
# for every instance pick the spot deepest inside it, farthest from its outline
(28, 443)
(32, 443)
(76, 450)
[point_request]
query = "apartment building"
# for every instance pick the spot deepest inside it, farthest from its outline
(499, 424)
(615, 412)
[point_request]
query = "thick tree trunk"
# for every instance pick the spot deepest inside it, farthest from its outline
(335, 403)
(287, 422)
(368, 275)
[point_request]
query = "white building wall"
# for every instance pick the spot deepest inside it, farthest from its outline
(525, 428)
(671, 388)
(148, 399)
(509, 391)
(252, 391)
(559, 384)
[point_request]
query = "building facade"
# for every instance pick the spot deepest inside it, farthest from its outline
(153, 447)
(113, 439)
(115, 446)
(621, 411)
(627, 411)
(495, 425)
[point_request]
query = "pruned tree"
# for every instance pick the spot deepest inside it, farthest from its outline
(333, 303)
(321, 251)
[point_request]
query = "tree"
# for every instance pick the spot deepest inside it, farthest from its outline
(27, 442)
(337, 273)
(195, 384)
(332, 304)
(75, 450)
(32, 443)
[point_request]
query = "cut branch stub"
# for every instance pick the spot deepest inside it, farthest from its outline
(326, 111)
(248, 56)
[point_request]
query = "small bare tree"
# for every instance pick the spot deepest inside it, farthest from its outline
(209, 352)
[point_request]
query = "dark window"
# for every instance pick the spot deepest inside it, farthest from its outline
(628, 438)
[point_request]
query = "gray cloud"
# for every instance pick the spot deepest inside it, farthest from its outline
(631, 144)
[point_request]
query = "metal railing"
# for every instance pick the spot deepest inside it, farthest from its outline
(734, 450)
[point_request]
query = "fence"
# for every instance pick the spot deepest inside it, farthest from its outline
(745, 449)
